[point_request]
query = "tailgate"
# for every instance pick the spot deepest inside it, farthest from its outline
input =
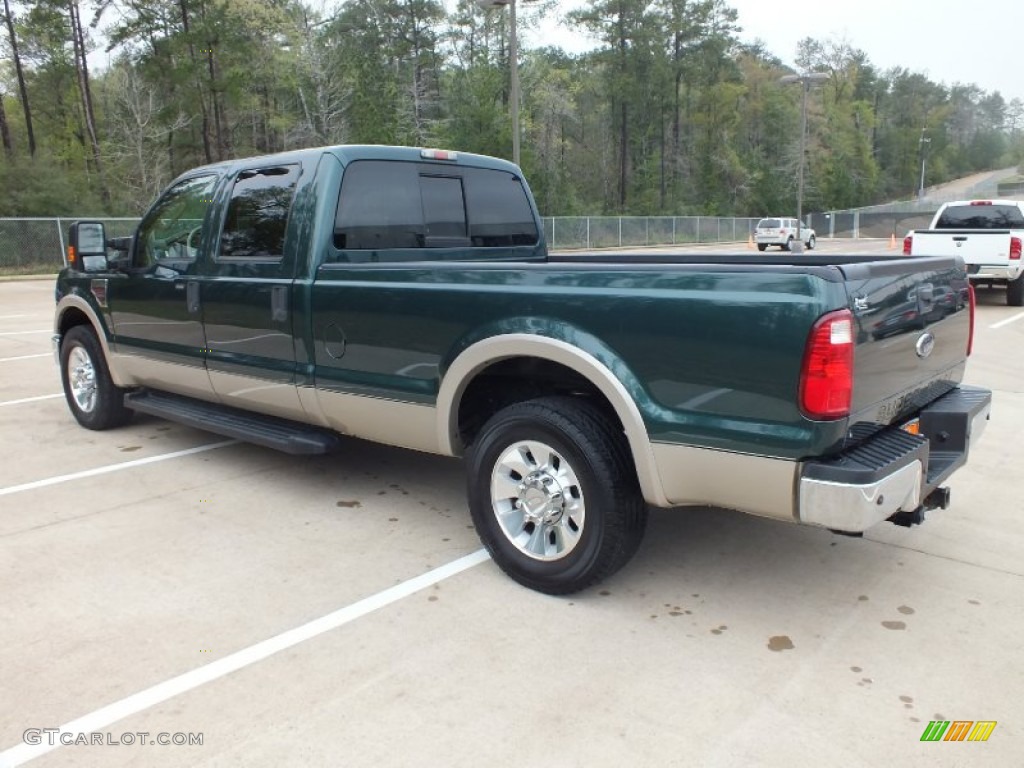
(912, 323)
(973, 246)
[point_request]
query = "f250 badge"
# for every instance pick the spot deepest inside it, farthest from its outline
(925, 345)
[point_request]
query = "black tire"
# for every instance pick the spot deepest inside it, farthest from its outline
(1015, 292)
(105, 409)
(761, 246)
(811, 243)
(788, 245)
(610, 516)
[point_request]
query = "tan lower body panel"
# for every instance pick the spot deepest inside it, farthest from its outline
(701, 476)
(269, 397)
(406, 425)
(138, 371)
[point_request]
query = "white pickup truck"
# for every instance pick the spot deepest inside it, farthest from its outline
(986, 234)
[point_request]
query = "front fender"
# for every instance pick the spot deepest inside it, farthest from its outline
(75, 309)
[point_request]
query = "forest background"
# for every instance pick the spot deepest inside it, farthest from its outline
(669, 114)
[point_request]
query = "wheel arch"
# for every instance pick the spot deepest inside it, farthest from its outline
(476, 359)
(73, 310)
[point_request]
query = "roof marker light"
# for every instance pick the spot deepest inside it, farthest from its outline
(438, 154)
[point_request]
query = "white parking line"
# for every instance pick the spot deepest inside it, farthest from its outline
(111, 467)
(25, 333)
(161, 692)
(24, 357)
(12, 317)
(1007, 321)
(30, 399)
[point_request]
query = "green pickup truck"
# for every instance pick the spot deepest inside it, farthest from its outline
(406, 296)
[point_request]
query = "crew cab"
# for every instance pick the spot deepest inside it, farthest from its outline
(406, 296)
(986, 234)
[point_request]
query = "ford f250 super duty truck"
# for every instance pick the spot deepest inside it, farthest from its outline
(406, 296)
(986, 234)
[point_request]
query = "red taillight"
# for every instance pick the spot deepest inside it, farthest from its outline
(782, 231)
(970, 333)
(981, 202)
(826, 377)
(1015, 248)
(908, 241)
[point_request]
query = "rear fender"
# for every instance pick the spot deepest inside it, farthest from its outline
(484, 352)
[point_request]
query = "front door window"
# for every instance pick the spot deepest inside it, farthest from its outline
(172, 230)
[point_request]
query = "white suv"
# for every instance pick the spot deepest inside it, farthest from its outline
(782, 232)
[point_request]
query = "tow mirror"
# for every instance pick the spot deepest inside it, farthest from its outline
(87, 246)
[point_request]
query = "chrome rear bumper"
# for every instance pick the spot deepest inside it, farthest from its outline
(893, 471)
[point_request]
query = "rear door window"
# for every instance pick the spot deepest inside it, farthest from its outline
(257, 214)
(981, 217)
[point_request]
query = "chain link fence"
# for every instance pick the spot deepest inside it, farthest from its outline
(38, 245)
(586, 232)
(881, 224)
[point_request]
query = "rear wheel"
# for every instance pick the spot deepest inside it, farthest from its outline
(553, 494)
(788, 245)
(761, 246)
(95, 401)
(1015, 292)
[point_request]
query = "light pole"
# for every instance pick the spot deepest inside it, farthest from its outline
(806, 81)
(921, 144)
(513, 54)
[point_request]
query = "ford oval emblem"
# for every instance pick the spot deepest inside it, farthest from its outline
(925, 345)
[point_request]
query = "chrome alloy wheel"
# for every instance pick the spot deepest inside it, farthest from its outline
(537, 500)
(82, 379)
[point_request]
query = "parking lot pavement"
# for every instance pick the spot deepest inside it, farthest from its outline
(149, 574)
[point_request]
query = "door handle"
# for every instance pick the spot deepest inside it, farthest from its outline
(192, 296)
(279, 303)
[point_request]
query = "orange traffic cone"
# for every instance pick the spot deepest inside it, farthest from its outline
(892, 242)
(750, 242)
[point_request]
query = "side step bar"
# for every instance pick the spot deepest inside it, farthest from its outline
(281, 434)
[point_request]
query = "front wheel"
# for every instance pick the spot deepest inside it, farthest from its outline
(95, 401)
(1015, 292)
(811, 243)
(553, 494)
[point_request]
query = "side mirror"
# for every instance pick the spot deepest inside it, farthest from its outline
(87, 246)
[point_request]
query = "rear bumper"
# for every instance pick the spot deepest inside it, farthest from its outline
(995, 272)
(893, 471)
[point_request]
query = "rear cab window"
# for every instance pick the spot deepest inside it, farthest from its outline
(399, 211)
(981, 217)
(768, 224)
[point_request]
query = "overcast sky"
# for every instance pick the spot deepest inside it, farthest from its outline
(950, 41)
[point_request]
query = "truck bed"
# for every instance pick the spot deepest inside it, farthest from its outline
(709, 345)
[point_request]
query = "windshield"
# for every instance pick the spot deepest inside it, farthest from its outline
(981, 217)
